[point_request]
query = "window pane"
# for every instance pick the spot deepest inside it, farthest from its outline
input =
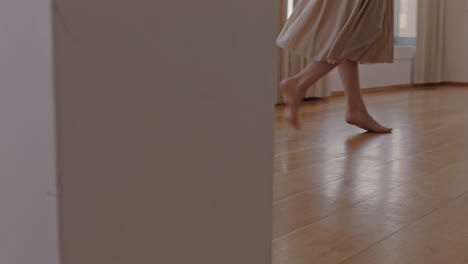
(290, 7)
(406, 11)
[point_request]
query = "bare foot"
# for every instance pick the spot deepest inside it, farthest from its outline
(293, 98)
(366, 122)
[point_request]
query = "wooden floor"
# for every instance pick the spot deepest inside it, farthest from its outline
(342, 196)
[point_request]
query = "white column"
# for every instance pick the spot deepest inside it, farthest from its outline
(166, 130)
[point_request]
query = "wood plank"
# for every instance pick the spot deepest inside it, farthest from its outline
(340, 195)
(350, 231)
(441, 237)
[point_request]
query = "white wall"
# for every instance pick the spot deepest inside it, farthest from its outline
(28, 226)
(456, 41)
(377, 75)
(166, 131)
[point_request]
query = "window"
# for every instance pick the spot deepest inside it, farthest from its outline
(406, 22)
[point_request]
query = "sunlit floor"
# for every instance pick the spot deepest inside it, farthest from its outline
(342, 196)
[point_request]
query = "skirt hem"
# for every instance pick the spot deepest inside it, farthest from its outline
(337, 60)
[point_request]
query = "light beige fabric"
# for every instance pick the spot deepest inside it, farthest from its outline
(338, 30)
(429, 64)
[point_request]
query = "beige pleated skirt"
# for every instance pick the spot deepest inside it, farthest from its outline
(338, 30)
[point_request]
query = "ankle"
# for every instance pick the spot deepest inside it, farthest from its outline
(297, 85)
(302, 86)
(359, 109)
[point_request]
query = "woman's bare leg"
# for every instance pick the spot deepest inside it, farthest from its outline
(357, 113)
(295, 88)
